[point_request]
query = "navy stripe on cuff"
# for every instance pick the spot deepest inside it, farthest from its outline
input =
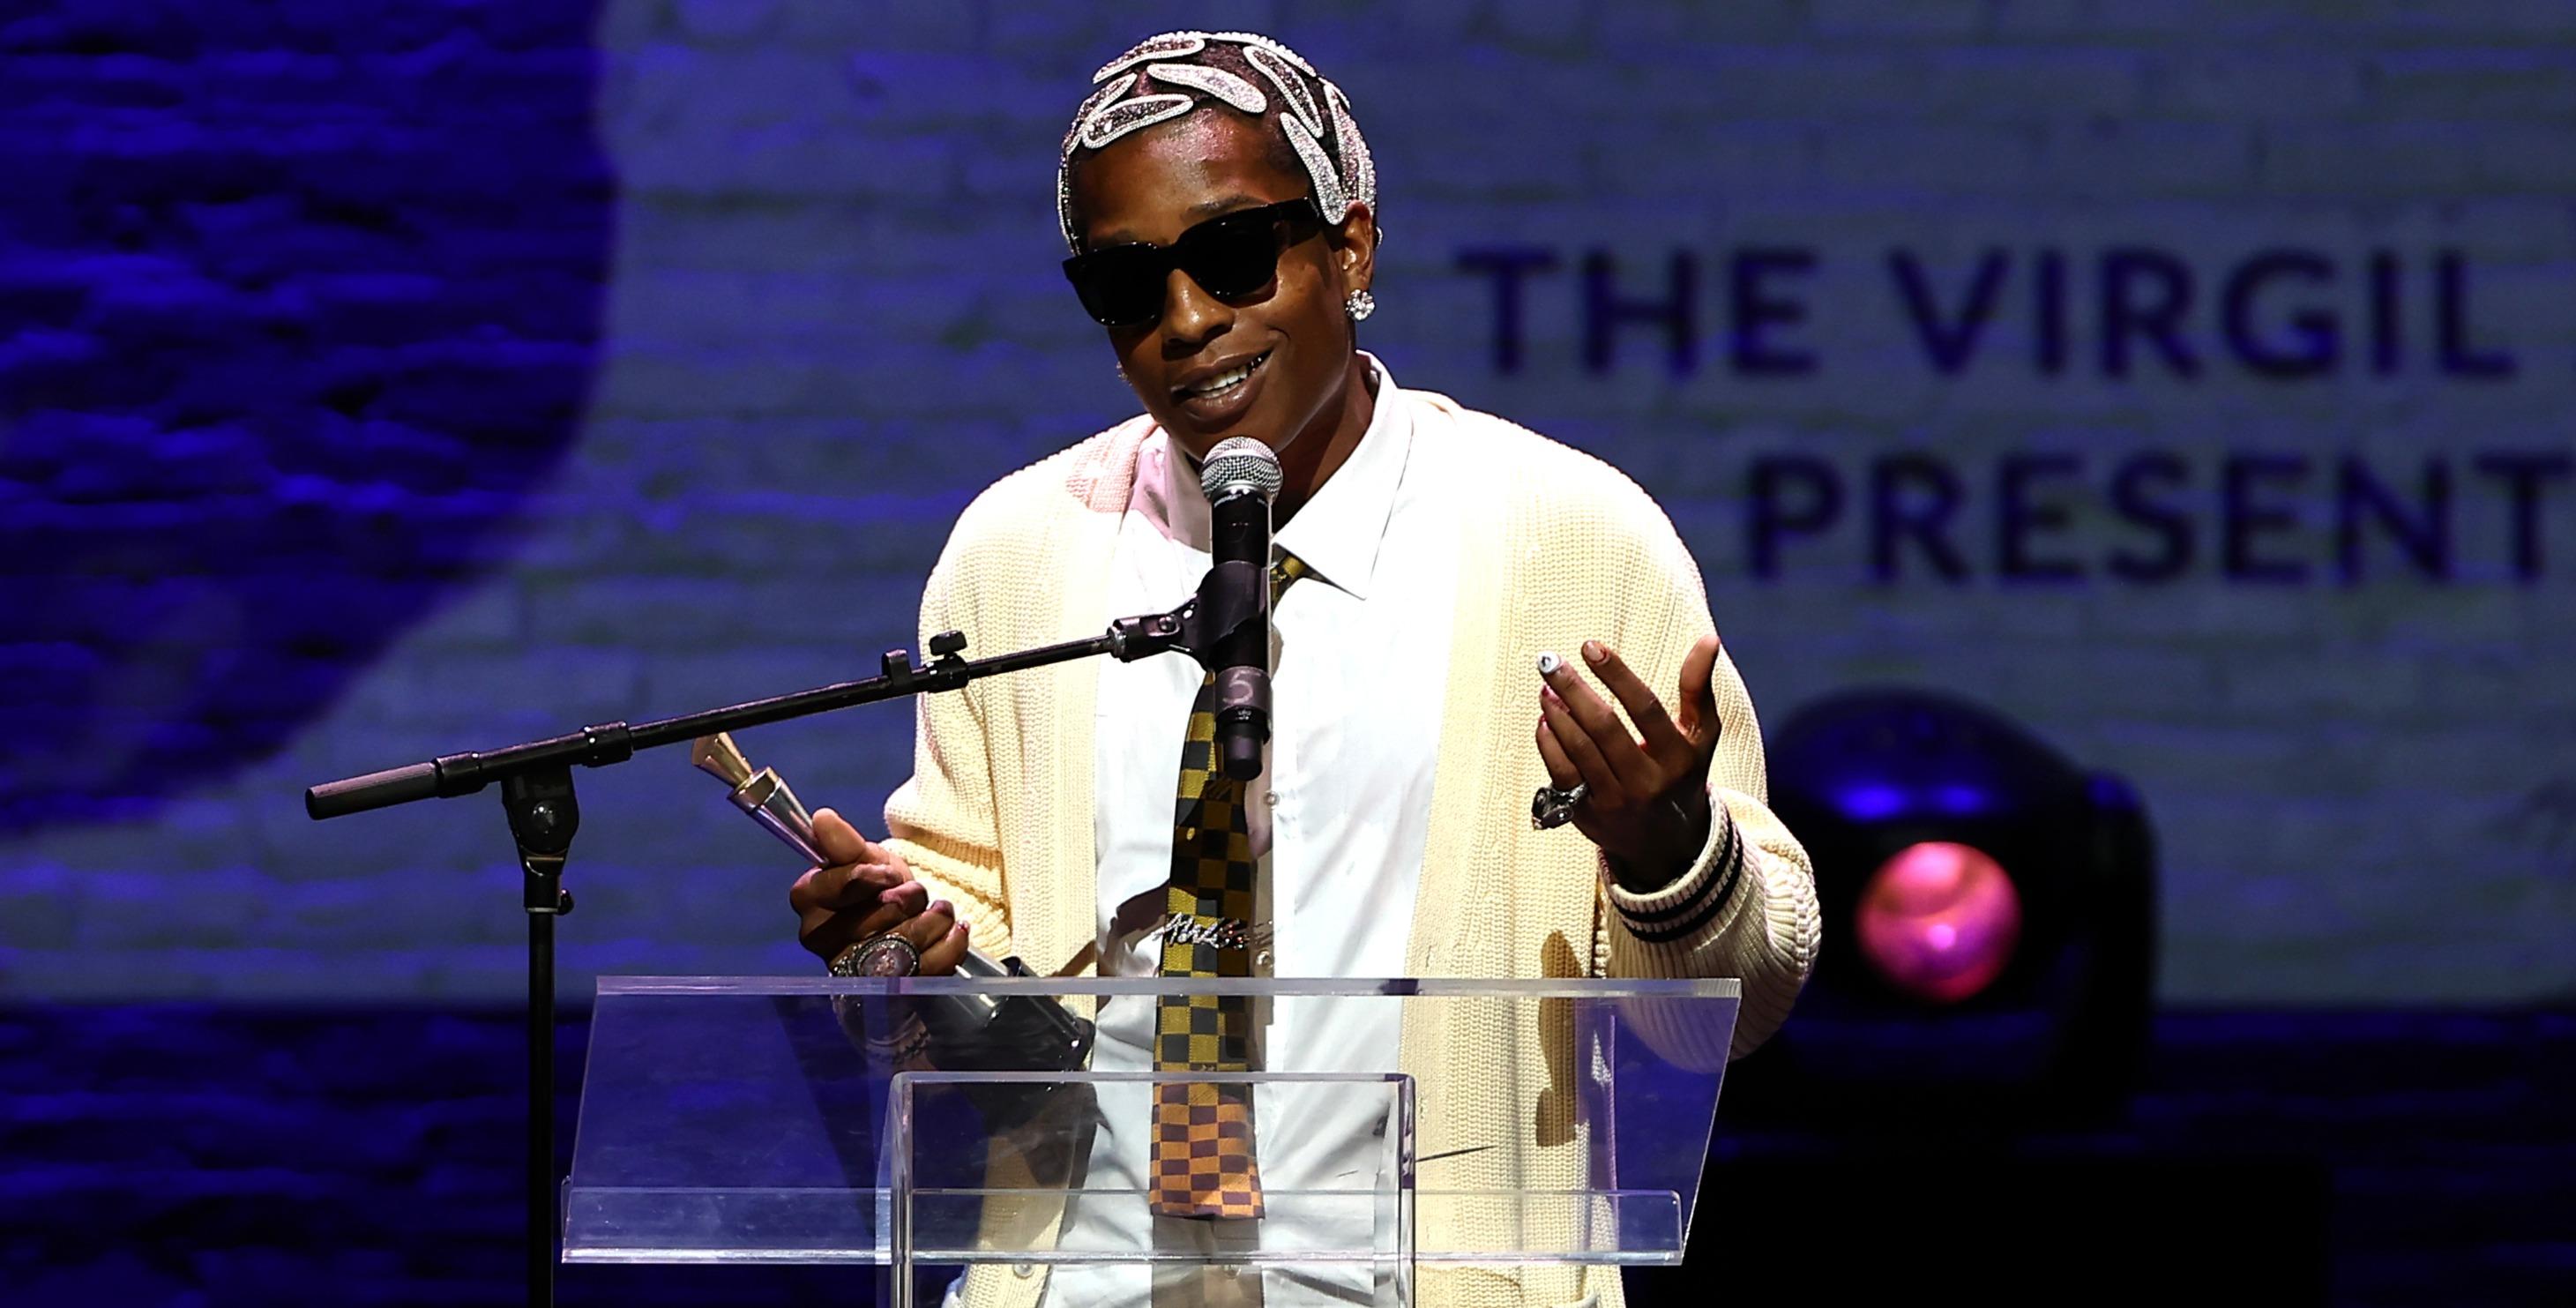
(1659, 925)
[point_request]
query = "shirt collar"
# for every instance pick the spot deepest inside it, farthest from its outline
(1337, 533)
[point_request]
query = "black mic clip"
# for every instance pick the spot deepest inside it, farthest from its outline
(1230, 596)
(1233, 595)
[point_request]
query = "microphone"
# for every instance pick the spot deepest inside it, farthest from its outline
(1241, 476)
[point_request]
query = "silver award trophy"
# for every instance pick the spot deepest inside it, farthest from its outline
(763, 794)
(968, 1031)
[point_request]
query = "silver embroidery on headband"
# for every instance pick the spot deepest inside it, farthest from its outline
(1217, 82)
(1064, 208)
(1259, 42)
(1099, 100)
(1292, 89)
(1170, 45)
(1126, 116)
(1121, 107)
(1359, 171)
(1319, 167)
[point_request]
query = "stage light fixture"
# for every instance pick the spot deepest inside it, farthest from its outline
(1989, 916)
(1939, 921)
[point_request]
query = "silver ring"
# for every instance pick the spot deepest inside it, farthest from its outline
(1552, 807)
(880, 955)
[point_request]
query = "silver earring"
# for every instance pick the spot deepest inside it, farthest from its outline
(1359, 305)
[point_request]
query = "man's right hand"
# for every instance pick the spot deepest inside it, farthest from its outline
(868, 891)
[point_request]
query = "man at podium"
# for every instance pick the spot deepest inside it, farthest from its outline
(1505, 739)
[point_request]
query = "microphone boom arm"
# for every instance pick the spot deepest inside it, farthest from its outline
(537, 797)
(1193, 629)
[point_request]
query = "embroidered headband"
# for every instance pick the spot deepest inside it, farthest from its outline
(1167, 76)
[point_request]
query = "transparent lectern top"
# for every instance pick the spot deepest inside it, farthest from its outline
(1007, 1120)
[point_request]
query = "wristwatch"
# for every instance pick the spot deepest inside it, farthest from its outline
(881, 955)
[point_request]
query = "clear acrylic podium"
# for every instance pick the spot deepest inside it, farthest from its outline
(1405, 1130)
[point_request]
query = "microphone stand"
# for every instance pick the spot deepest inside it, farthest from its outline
(537, 797)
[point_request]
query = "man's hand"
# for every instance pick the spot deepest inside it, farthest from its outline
(868, 891)
(1648, 803)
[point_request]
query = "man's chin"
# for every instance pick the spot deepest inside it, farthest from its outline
(1196, 442)
(1260, 423)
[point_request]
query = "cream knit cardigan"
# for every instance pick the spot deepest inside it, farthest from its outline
(998, 814)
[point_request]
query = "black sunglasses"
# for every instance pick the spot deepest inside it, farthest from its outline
(1229, 255)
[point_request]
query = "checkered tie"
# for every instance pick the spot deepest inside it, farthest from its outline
(1202, 1154)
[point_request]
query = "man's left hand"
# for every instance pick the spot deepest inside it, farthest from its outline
(1647, 806)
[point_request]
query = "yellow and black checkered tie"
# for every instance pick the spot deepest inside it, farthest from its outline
(1203, 1164)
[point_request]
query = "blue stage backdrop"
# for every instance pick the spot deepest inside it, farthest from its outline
(2188, 380)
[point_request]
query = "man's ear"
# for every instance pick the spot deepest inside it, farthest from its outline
(1355, 246)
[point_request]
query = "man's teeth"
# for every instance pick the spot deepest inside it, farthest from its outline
(1226, 380)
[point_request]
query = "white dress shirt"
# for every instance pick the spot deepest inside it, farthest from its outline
(1339, 816)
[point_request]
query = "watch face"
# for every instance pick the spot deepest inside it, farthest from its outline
(886, 956)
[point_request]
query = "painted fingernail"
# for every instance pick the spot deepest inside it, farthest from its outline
(1594, 651)
(941, 906)
(1548, 663)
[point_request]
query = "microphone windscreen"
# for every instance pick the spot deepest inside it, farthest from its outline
(1238, 464)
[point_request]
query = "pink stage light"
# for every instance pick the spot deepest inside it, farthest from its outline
(1939, 921)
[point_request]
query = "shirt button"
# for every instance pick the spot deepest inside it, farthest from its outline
(1025, 1270)
(1270, 797)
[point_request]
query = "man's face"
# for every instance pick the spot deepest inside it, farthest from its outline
(1293, 334)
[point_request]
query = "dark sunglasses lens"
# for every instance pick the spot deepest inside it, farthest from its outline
(1234, 255)
(1120, 288)
(1229, 256)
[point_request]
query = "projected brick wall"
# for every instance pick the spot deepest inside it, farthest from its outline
(2189, 381)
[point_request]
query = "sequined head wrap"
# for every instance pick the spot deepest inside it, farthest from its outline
(1177, 73)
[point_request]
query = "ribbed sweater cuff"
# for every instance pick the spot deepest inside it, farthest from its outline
(1692, 907)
